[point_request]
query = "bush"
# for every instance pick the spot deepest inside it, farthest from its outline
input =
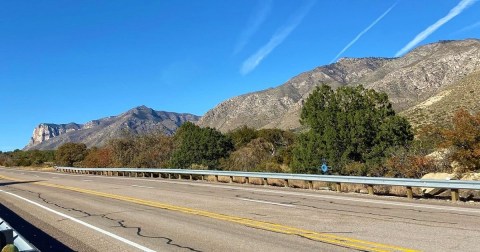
(70, 153)
(199, 146)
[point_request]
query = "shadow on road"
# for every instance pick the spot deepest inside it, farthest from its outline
(17, 182)
(34, 235)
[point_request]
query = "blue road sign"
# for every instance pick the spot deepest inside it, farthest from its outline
(324, 167)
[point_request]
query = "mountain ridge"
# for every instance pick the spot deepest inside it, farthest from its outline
(138, 120)
(408, 80)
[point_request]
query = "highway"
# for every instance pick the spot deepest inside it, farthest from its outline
(99, 213)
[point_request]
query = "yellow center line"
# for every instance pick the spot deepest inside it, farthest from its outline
(278, 228)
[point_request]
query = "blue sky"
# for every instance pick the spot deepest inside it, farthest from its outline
(74, 61)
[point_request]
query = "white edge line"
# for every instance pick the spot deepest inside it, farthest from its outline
(136, 245)
(267, 202)
(149, 187)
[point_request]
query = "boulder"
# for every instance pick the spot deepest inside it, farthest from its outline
(440, 176)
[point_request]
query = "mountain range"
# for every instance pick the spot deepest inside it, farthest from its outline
(139, 120)
(409, 80)
(425, 85)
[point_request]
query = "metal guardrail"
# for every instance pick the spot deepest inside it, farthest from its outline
(10, 236)
(453, 185)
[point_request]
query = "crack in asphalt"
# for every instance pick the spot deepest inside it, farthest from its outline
(120, 222)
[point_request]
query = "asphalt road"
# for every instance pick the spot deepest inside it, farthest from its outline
(60, 212)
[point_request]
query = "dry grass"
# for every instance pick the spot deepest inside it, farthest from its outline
(34, 168)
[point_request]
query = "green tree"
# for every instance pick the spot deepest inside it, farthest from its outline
(242, 136)
(199, 146)
(70, 153)
(349, 125)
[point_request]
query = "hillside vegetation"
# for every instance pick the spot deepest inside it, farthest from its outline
(354, 130)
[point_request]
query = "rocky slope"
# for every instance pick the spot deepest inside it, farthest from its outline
(408, 80)
(439, 108)
(97, 132)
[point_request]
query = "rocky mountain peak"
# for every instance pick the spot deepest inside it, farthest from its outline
(407, 80)
(138, 120)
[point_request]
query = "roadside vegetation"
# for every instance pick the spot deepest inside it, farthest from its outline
(353, 130)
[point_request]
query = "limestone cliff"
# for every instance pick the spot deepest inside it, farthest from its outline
(138, 120)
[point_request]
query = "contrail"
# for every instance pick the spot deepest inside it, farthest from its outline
(258, 17)
(464, 4)
(277, 38)
(363, 32)
(468, 28)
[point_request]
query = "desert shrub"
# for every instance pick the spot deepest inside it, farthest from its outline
(70, 153)
(200, 146)
(464, 139)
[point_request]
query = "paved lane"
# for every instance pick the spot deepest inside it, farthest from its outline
(199, 216)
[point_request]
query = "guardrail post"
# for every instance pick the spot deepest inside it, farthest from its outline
(370, 189)
(338, 187)
(169, 176)
(409, 192)
(203, 177)
(310, 184)
(191, 177)
(179, 176)
(455, 194)
(231, 179)
(285, 183)
(265, 182)
(247, 180)
(216, 178)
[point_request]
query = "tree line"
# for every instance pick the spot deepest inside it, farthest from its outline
(353, 130)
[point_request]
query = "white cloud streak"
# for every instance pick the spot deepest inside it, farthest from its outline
(468, 28)
(464, 4)
(254, 22)
(363, 32)
(252, 62)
